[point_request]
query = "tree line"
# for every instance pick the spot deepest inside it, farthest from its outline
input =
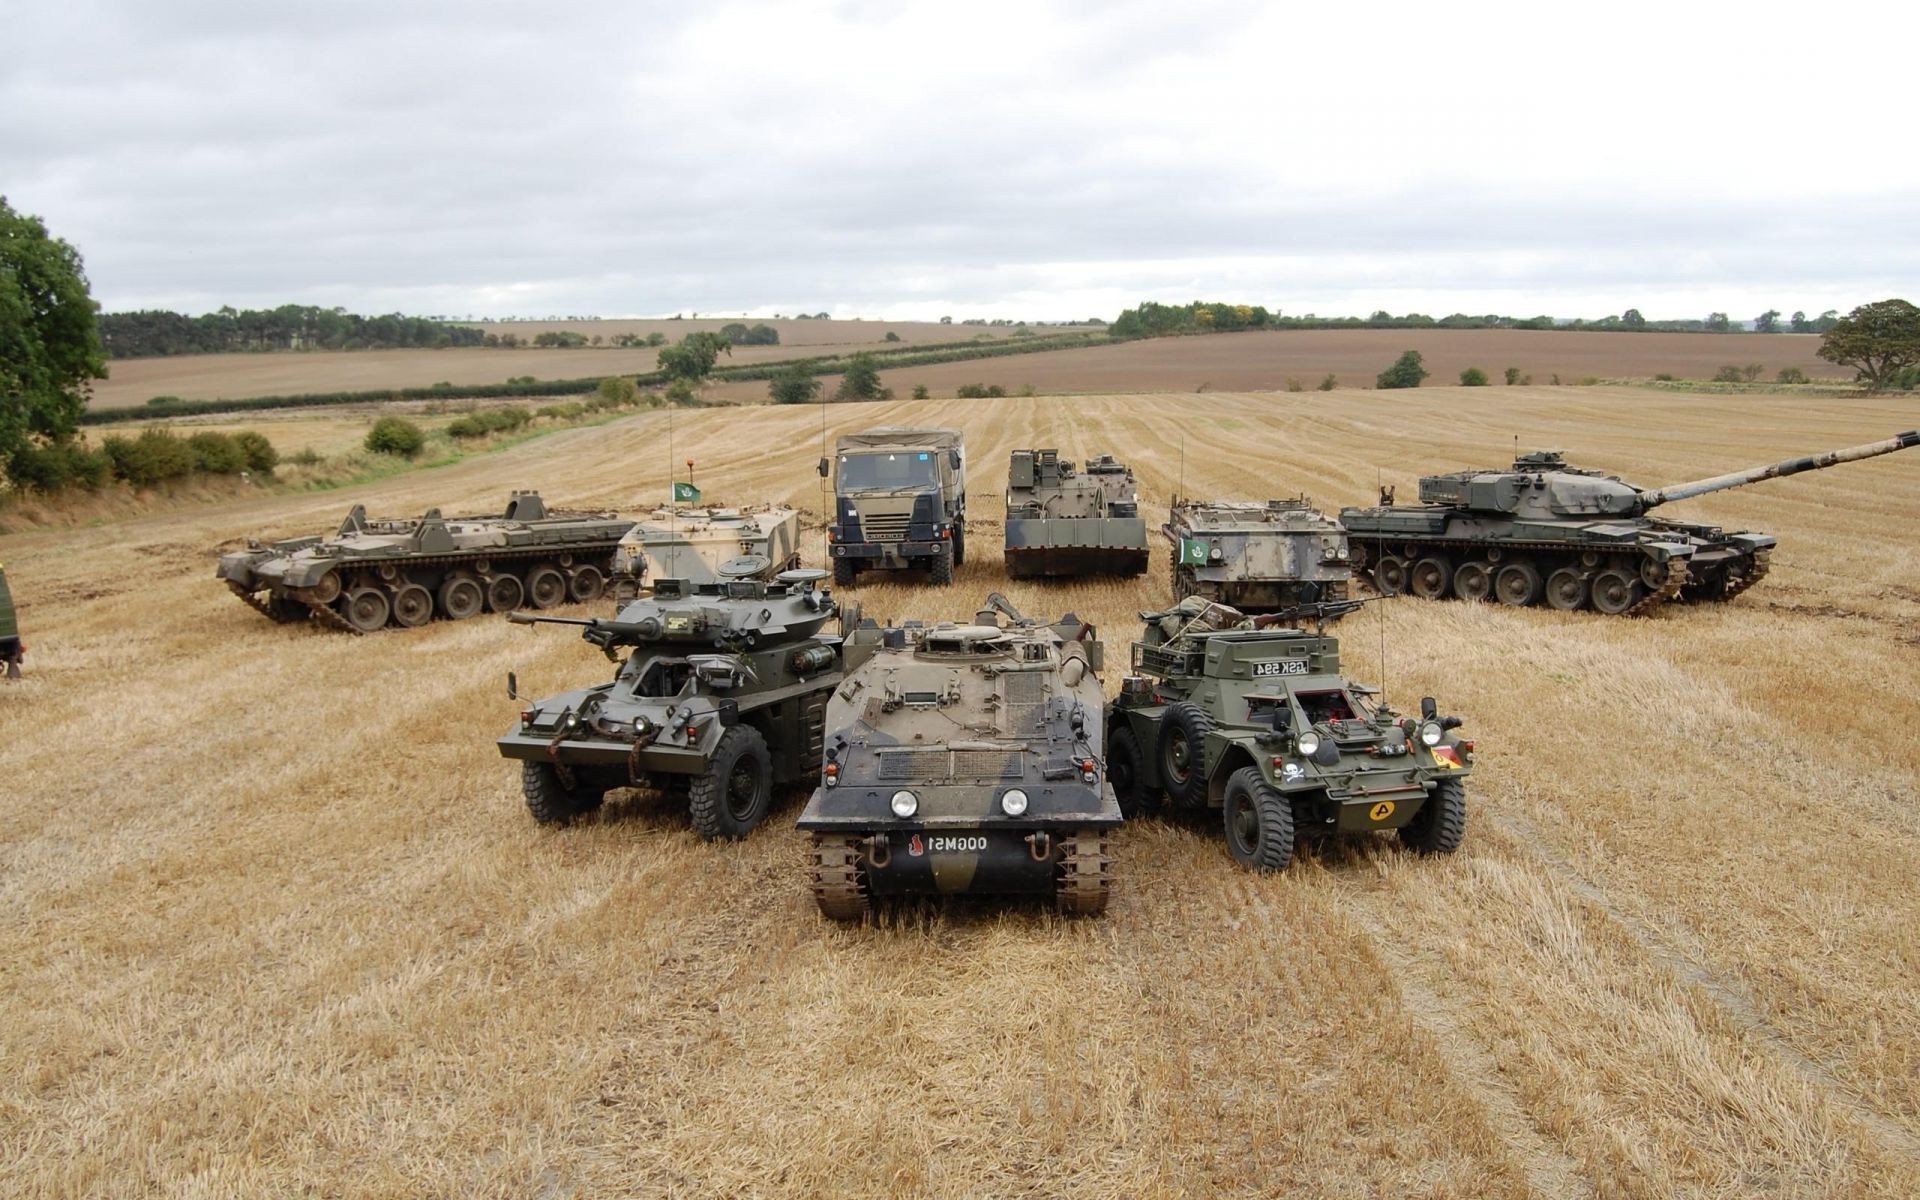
(156, 332)
(1152, 319)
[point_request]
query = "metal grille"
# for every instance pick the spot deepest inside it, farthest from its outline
(897, 766)
(1026, 691)
(888, 528)
(986, 764)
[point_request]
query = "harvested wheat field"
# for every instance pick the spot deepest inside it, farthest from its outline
(278, 923)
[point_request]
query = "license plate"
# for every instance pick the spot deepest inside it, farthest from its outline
(1293, 666)
(956, 843)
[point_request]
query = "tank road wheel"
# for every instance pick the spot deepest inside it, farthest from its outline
(550, 800)
(1654, 572)
(1182, 747)
(504, 593)
(1429, 578)
(586, 584)
(461, 597)
(1259, 822)
(1390, 575)
(1566, 590)
(737, 789)
(1123, 772)
(412, 606)
(1615, 591)
(1518, 584)
(366, 609)
(839, 885)
(1081, 882)
(844, 572)
(546, 587)
(941, 567)
(1472, 581)
(1440, 824)
(327, 590)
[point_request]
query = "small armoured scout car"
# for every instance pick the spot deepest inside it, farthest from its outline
(721, 698)
(964, 758)
(1254, 718)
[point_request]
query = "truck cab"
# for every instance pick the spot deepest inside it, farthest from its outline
(900, 501)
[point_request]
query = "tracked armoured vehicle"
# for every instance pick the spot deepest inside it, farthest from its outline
(1254, 718)
(1544, 532)
(1066, 522)
(720, 695)
(690, 544)
(1257, 557)
(964, 758)
(373, 572)
(13, 651)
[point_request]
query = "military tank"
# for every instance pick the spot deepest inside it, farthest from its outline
(373, 572)
(1253, 717)
(964, 758)
(720, 695)
(13, 651)
(1257, 557)
(1066, 522)
(1544, 531)
(690, 544)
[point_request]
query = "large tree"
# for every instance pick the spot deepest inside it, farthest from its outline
(694, 357)
(1877, 340)
(49, 343)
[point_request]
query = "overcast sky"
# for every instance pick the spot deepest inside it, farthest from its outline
(1043, 161)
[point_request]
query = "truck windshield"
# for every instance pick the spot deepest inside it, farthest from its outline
(897, 469)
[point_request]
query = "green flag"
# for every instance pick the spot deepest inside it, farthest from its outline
(685, 493)
(1193, 552)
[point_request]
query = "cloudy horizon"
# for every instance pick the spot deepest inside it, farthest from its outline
(909, 161)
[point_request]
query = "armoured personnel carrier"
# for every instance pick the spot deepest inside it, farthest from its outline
(964, 758)
(13, 651)
(1542, 531)
(407, 572)
(900, 500)
(1066, 522)
(1257, 557)
(690, 544)
(1253, 717)
(720, 695)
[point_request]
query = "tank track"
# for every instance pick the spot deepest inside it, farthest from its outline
(1678, 574)
(1083, 882)
(1762, 563)
(326, 614)
(834, 872)
(261, 604)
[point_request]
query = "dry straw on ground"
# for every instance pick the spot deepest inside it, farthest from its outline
(278, 925)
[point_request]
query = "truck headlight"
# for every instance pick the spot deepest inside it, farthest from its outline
(1307, 743)
(904, 803)
(1431, 733)
(1013, 802)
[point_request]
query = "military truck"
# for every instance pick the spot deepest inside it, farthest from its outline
(1254, 718)
(1066, 522)
(1257, 557)
(900, 500)
(409, 571)
(13, 651)
(964, 758)
(1544, 531)
(690, 544)
(719, 696)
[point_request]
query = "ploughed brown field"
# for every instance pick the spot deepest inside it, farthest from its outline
(278, 923)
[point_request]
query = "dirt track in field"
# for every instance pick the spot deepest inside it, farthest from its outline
(278, 922)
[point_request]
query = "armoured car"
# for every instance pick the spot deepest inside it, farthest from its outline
(1253, 717)
(900, 500)
(1544, 531)
(690, 544)
(964, 758)
(13, 651)
(407, 572)
(1066, 522)
(1257, 557)
(719, 695)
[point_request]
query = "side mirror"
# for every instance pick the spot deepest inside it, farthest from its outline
(513, 686)
(953, 459)
(1428, 708)
(1282, 717)
(823, 467)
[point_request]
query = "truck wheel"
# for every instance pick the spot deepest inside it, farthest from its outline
(1259, 822)
(942, 567)
(959, 545)
(839, 884)
(1123, 772)
(1440, 824)
(844, 572)
(737, 788)
(552, 802)
(1181, 748)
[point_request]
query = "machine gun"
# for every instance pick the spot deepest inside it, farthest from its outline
(1319, 611)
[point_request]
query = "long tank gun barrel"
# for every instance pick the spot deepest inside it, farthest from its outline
(1791, 466)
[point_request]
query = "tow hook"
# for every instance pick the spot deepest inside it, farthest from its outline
(1040, 845)
(879, 851)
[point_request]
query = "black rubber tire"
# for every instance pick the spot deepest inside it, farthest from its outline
(844, 572)
(1184, 725)
(941, 567)
(718, 811)
(1441, 823)
(1124, 763)
(959, 545)
(504, 593)
(546, 587)
(366, 609)
(1431, 578)
(412, 606)
(552, 802)
(1517, 584)
(1258, 822)
(586, 584)
(461, 596)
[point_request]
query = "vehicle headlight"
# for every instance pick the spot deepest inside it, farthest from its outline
(1214, 554)
(904, 803)
(1307, 742)
(1013, 802)
(573, 720)
(1431, 733)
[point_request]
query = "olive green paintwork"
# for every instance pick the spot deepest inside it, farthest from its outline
(1062, 521)
(900, 500)
(1257, 557)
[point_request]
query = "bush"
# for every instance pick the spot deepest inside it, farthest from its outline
(216, 454)
(617, 391)
(1728, 374)
(919, 391)
(795, 385)
(395, 435)
(679, 392)
(306, 456)
(1329, 383)
(1294, 385)
(56, 465)
(1790, 375)
(520, 380)
(1513, 376)
(163, 401)
(570, 411)
(1407, 372)
(153, 457)
(1752, 371)
(862, 380)
(1473, 377)
(466, 427)
(656, 338)
(979, 391)
(1663, 377)
(891, 336)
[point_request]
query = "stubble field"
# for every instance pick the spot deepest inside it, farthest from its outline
(279, 924)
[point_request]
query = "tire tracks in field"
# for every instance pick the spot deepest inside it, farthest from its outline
(1676, 952)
